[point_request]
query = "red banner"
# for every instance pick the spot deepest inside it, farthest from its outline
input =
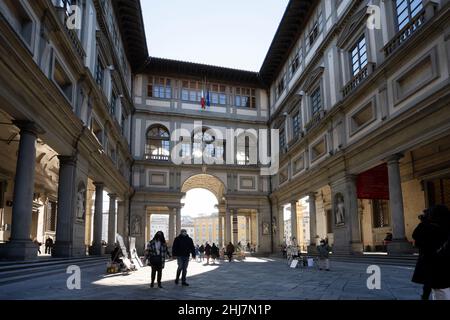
(374, 183)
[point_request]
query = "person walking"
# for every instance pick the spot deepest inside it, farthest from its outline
(197, 252)
(214, 253)
(207, 252)
(38, 245)
(48, 245)
(431, 236)
(201, 250)
(324, 253)
(230, 251)
(156, 255)
(182, 248)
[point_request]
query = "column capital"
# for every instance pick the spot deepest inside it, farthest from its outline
(67, 160)
(99, 184)
(312, 194)
(394, 158)
(112, 196)
(28, 126)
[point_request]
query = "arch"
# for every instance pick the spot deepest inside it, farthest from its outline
(205, 181)
(157, 145)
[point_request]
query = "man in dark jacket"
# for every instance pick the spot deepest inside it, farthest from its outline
(430, 236)
(182, 248)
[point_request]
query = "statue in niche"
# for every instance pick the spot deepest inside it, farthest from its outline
(339, 209)
(81, 202)
(274, 225)
(266, 228)
(136, 225)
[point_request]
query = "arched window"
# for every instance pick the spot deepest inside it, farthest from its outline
(204, 141)
(158, 143)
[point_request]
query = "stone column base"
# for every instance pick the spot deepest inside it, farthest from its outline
(400, 247)
(96, 250)
(19, 250)
(357, 248)
(62, 250)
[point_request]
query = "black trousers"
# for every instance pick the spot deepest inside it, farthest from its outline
(156, 270)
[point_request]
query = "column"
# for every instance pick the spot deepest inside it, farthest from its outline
(220, 244)
(20, 246)
(178, 217)
(247, 229)
(228, 226)
(399, 243)
(111, 222)
(280, 227)
(235, 227)
(354, 216)
(171, 234)
(294, 233)
(97, 248)
(66, 205)
(312, 222)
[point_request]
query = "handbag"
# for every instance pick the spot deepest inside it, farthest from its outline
(156, 261)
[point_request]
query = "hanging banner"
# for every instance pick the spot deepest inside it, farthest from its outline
(374, 183)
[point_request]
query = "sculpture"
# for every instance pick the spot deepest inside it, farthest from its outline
(136, 225)
(339, 209)
(81, 202)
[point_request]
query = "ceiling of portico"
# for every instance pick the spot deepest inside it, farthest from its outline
(205, 181)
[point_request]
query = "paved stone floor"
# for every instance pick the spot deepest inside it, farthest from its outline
(254, 278)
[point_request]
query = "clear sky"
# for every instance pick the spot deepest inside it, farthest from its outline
(229, 33)
(199, 201)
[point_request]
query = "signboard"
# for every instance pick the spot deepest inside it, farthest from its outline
(373, 184)
(134, 256)
(122, 245)
(294, 263)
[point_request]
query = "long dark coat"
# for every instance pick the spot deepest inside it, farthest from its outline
(432, 269)
(151, 251)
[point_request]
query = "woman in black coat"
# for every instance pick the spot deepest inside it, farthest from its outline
(156, 255)
(207, 252)
(432, 269)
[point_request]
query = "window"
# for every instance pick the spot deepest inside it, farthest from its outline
(218, 94)
(159, 88)
(296, 124)
(204, 142)
(243, 152)
(158, 143)
(99, 70)
(245, 97)
(282, 140)
(406, 11)
(62, 80)
(316, 102)
(112, 107)
(314, 30)
(20, 20)
(380, 210)
(51, 216)
(191, 91)
(122, 124)
(280, 86)
(358, 56)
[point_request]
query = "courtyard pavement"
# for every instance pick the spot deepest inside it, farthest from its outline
(254, 278)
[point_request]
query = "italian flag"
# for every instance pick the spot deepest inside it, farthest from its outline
(202, 101)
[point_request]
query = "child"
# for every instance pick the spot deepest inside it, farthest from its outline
(324, 252)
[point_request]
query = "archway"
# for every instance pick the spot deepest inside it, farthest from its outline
(203, 208)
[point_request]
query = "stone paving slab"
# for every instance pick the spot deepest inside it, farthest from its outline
(255, 278)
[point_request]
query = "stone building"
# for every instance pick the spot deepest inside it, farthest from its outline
(65, 105)
(357, 93)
